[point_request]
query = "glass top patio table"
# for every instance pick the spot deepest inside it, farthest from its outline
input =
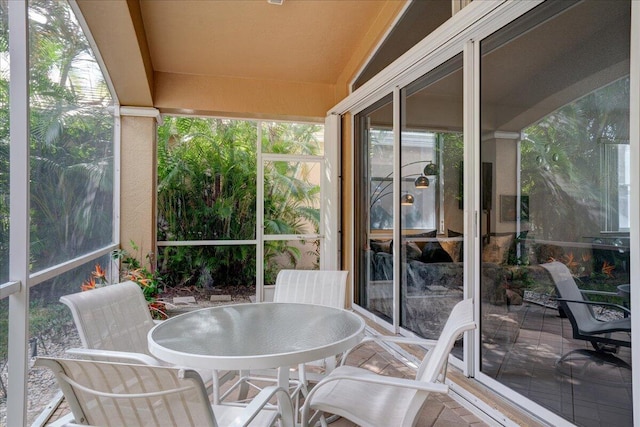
(624, 290)
(255, 336)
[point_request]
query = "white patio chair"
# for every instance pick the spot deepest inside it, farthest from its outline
(113, 322)
(370, 399)
(119, 394)
(321, 287)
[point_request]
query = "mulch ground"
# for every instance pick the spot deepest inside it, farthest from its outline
(203, 296)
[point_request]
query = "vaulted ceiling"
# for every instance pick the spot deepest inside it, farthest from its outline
(241, 57)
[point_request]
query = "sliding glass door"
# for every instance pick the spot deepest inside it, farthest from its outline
(431, 150)
(555, 131)
(409, 241)
(541, 124)
(375, 208)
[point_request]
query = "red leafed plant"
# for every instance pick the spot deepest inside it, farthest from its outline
(132, 270)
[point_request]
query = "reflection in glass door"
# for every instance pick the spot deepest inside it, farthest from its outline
(373, 245)
(431, 151)
(557, 134)
(426, 192)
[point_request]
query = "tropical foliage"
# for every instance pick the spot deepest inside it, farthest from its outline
(207, 188)
(564, 164)
(71, 158)
(71, 141)
(573, 162)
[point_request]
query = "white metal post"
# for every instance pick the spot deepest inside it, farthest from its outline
(114, 269)
(397, 224)
(634, 140)
(330, 200)
(259, 216)
(19, 211)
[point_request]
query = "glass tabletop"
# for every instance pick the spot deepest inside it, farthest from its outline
(624, 290)
(254, 336)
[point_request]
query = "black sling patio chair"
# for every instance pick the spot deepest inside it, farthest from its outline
(604, 335)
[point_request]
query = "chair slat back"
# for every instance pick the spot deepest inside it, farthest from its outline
(460, 320)
(114, 317)
(568, 289)
(322, 287)
(116, 394)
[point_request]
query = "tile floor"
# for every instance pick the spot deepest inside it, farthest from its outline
(530, 349)
(524, 349)
(439, 411)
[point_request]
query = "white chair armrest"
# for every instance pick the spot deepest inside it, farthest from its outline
(110, 355)
(261, 400)
(373, 378)
(362, 375)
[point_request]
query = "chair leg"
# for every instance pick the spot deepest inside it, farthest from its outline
(243, 389)
(215, 389)
(605, 348)
(329, 365)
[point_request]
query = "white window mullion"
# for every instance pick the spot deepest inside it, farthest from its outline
(634, 198)
(19, 211)
(259, 217)
(116, 178)
(397, 223)
(280, 237)
(291, 157)
(471, 197)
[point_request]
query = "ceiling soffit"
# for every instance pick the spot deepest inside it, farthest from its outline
(299, 49)
(301, 40)
(117, 30)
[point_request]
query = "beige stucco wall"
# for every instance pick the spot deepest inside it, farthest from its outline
(138, 189)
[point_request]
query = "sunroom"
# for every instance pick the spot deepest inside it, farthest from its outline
(454, 149)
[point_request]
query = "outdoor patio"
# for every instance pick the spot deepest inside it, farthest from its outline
(440, 410)
(532, 351)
